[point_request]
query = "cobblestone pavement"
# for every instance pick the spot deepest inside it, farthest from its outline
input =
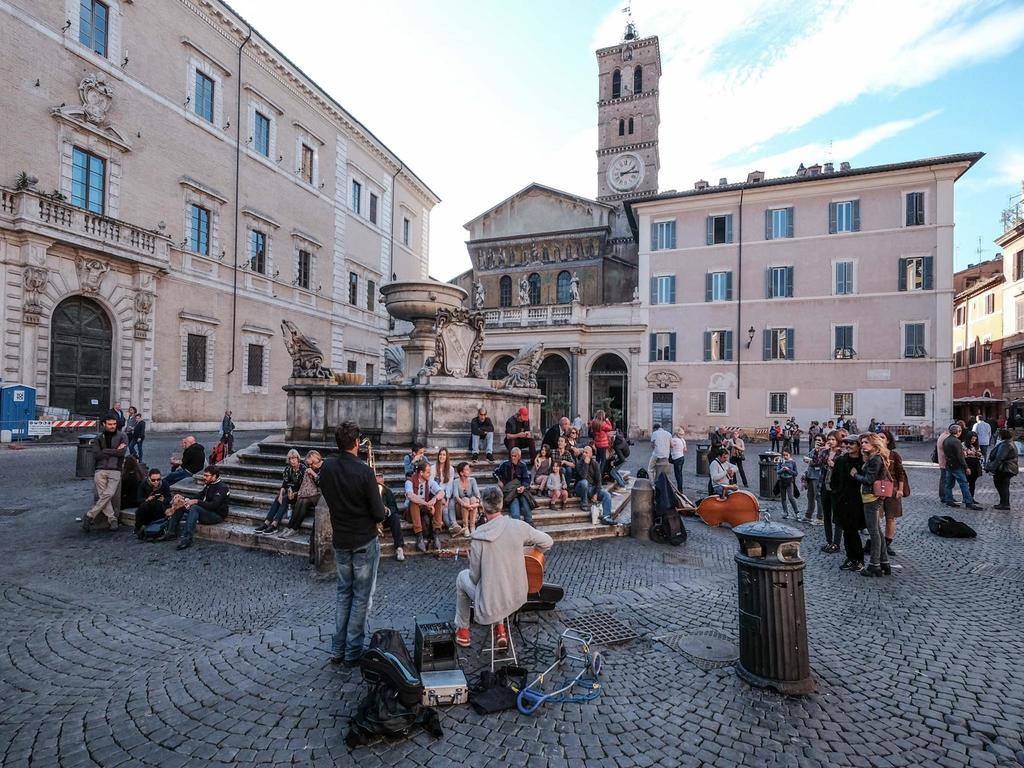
(118, 653)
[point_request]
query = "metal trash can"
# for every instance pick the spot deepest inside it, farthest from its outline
(703, 461)
(768, 474)
(641, 504)
(772, 616)
(85, 459)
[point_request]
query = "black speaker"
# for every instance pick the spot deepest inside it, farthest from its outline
(435, 647)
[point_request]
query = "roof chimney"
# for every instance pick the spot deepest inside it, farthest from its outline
(844, 166)
(755, 176)
(722, 181)
(801, 171)
(700, 184)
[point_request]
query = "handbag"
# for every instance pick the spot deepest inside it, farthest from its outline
(884, 488)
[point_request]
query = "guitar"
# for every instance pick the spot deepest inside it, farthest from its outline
(534, 571)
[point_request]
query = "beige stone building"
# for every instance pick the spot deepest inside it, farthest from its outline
(1012, 351)
(172, 188)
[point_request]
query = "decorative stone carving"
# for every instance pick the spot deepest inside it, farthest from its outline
(522, 371)
(574, 288)
(458, 344)
(524, 292)
(96, 97)
(34, 280)
(394, 364)
(90, 273)
(663, 379)
(143, 306)
(307, 359)
(478, 295)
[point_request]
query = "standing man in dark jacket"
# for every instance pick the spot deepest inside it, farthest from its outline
(350, 489)
(109, 448)
(848, 509)
(957, 469)
(119, 415)
(481, 430)
(210, 508)
(227, 431)
(1004, 461)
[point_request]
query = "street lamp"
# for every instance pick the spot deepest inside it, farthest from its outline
(750, 336)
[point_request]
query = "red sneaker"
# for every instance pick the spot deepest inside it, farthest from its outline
(500, 638)
(462, 637)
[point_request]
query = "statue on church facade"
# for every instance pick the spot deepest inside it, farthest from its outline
(574, 288)
(524, 292)
(478, 295)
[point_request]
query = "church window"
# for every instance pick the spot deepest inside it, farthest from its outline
(622, 127)
(564, 287)
(631, 126)
(505, 291)
(638, 79)
(534, 283)
(616, 84)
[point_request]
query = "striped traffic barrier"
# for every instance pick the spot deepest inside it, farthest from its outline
(72, 424)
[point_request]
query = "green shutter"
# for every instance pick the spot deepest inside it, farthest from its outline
(767, 337)
(832, 226)
(710, 226)
(672, 235)
(672, 290)
(926, 273)
(790, 344)
(903, 274)
(709, 280)
(654, 348)
(707, 346)
(768, 282)
(789, 281)
(672, 346)
(856, 215)
(789, 222)
(654, 236)
(728, 286)
(654, 290)
(768, 224)
(728, 228)
(728, 345)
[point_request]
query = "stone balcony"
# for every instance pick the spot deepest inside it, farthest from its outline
(29, 211)
(516, 317)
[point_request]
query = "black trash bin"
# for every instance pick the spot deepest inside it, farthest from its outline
(768, 475)
(772, 616)
(703, 462)
(85, 459)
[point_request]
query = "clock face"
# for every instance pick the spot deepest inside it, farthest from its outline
(625, 172)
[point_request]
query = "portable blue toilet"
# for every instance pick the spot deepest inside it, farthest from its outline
(17, 409)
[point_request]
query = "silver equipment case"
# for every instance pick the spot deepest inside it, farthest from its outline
(444, 688)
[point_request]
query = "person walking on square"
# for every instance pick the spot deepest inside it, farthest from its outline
(775, 435)
(876, 467)
(135, 431)
(1003, 463)
(848, 507)
(227, 431)
(661, 451)
(787, 482)
(350, 490)
(109, 447)
(677, 455)
(956, 469)
(481, 430)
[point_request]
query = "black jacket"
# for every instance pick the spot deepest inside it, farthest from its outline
(873, 470)
(590, 472)
(551, 436)
(193, 458)
(214, 498)
(350, 489)
(846, 492)
(954, 452)
(163, 492)
(481, 428)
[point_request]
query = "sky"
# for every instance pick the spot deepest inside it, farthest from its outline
(481, 97)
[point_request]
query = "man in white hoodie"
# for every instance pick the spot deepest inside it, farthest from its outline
(495, 585)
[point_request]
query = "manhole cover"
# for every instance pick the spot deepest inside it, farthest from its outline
(692, 561)
(604, 629)
(708, 648)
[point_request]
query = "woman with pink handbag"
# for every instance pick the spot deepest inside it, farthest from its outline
(876, 485)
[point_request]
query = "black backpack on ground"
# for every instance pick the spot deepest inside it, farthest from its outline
(667, 526)
(154, 531)
(391, 707)
(950, 528)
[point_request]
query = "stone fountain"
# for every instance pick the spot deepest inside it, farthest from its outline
(434, 379)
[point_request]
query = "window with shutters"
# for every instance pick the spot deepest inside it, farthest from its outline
(663, 235)
(844, 278)
(261, 134)
(373, 208)
(350, 366)
(842, 347)
(1018, 265)
(990, 304)
(915, 209)
(306, 169)
(913, 405)
(717, 403)
(663, 289)
(778, 344)
(258, 251)
(1018, 308)
(972, 353)
(88, 180)
(958, 358)
(718, 286)
(844, 216)
(780, 282)
(961, 314)
(616, 84)
(303, 269)
(842, 404)
(778, 223)
(199, 239)
(986, 352)
(533, 287)
(254, 366)
(371, 295)
(778, 403)
(357, 196)
(1020, 366)
(353, 288)
(717, 345)
(663, 347)
(195, 358)
(915, 273)
(93, 23)
(661, 409)
(505, 291)
(204, 96)
(564, 288)
(719, 229)
(913, 340)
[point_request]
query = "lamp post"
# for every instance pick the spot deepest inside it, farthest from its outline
(750, 336)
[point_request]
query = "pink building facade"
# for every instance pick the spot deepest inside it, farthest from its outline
(823, 294)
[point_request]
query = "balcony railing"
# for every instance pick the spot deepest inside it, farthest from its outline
(530, 316)
(29, 210)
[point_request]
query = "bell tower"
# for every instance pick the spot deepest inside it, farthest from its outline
(628, 118)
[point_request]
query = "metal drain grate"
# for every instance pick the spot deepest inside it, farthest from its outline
(604, 629)
(708, 648)
(997, 571)
(691, 561)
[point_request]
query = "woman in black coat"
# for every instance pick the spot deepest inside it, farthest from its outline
(847, 507)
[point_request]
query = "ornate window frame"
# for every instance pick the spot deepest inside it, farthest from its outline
(253, 335)
(198, 325)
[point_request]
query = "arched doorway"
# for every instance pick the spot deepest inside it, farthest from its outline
(499, 370)
(609, 389)
(553, 380)
(80, 352)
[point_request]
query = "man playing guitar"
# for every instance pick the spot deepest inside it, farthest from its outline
(495, 584)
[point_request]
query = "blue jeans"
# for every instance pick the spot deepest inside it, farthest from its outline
(357, 578)
(193, 516)
(135, 448)
(616, 476)
(584, 491)
(488, 440)
(677, 470)
(277, 510)
(957, 475)
(177, 476)
(519, 509)
(942, 484)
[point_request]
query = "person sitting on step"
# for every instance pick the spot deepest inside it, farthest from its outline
(210, 508)
(426, 504)
(494, 586)
(513, 478)
(481, 430)
(308, 495)
(393, 518)
(154, 499)
(723, 474)
(291, 479)
(411, 459)
(589, 488)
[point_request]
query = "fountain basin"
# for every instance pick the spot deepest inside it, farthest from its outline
(419, 300)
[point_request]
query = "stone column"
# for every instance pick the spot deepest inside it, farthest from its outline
(34, 278)
(633, 370)
(574, 375)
